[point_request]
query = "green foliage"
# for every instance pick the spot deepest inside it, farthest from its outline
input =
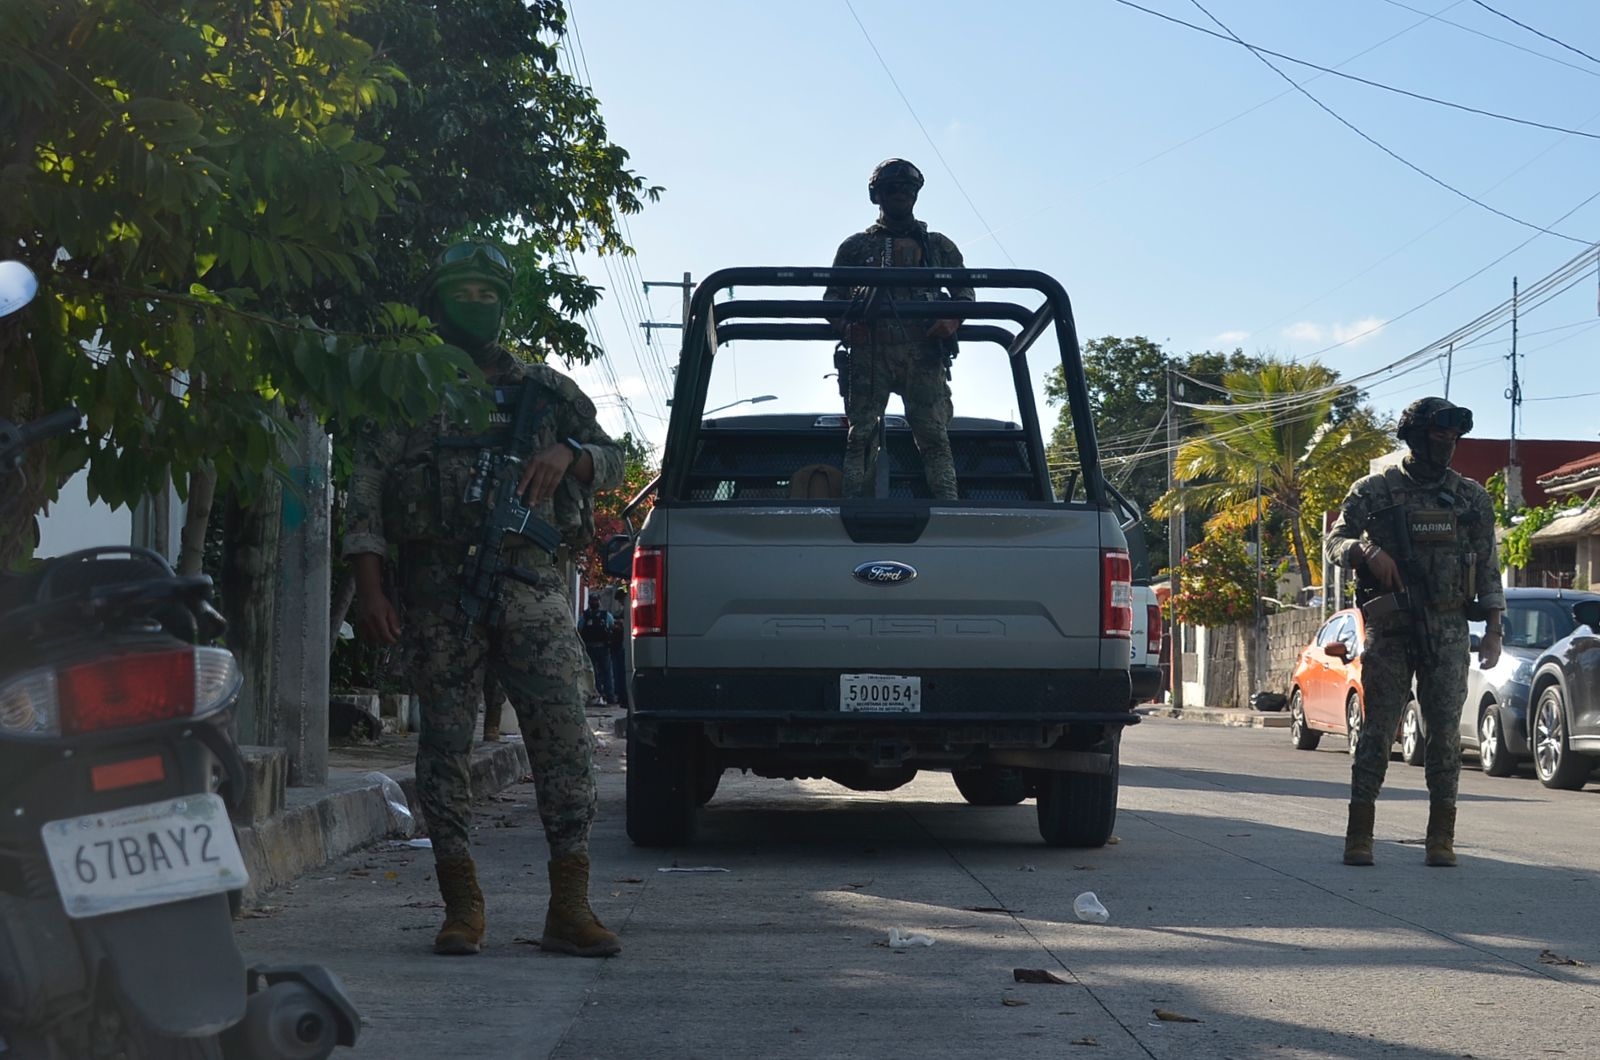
(1299, 454)
(1127, 382)
(1216, 583)
(1516, 546)
(638, 468)
(1497, 493)
(229, 205)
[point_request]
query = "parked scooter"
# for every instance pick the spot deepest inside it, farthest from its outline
(117, 856)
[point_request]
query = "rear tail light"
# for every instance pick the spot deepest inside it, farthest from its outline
(119, 691)
(1152, 644)
(649, 592)
(1116, 593)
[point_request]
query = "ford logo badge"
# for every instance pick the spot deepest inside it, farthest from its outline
(885, 572)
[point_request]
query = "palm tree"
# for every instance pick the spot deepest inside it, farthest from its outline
(1307, 437)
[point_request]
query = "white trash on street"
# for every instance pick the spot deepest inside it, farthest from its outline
(1089, 910)
(900, 941)
(401, 821)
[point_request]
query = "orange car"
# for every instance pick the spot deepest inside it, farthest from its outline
(1327, 694)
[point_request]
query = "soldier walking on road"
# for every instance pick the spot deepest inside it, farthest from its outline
(415, 488)
(908, 357)
(1421, 541)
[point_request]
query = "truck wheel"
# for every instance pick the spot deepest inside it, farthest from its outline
(991, 786)
(1079, 809)
(663, 786)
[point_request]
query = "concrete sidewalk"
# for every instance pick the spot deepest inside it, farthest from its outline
(1245, 719)
(287, 832)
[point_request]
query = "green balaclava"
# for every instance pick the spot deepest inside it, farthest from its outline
(474, 326)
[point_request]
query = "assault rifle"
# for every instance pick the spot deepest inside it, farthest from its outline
(496, 476)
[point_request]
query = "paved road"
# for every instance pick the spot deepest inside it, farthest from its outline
(1228, 904)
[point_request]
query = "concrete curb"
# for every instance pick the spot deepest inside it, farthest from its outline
(1239, 719)
(319, 825)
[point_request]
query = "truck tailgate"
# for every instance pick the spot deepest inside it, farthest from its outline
(769, 588)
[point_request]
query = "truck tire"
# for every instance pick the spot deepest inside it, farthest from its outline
(1079, 809)
(991, 786)
(663, 786)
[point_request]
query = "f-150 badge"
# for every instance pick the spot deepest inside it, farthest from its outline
(885, 572)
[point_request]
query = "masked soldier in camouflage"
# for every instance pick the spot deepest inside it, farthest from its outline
(1421, 540)
(409, 489)
(909, 357)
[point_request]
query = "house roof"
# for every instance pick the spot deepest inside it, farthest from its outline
(1573, 470)
(1581, 522)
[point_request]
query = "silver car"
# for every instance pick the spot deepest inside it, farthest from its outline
(1494, 716)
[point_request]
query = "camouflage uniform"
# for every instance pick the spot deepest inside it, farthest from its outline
(1451, 522)
(407, 490)
(897, 358)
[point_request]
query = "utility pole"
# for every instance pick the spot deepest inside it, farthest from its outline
(1449, 367)
(1174, 548)
(688, 290)
(1514, 393)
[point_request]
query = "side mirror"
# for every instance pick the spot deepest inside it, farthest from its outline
(618, 556)
(1587, 613)
(1338, 649)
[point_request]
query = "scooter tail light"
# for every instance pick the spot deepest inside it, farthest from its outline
(217, 680)
(140, 688)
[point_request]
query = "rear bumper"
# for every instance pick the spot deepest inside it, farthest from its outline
(1146, 682)
(948, 696)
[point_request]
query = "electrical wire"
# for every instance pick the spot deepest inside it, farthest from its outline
(1259, 54)
(937, 153)
(1536, 33)
(1501, 40)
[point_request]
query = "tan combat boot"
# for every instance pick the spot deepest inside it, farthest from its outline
(1358, 833)
(1441, 851)
(571, 926)
(463, 907)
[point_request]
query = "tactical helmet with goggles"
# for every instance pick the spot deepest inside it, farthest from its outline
(893, 171)
(1433, 413)
(479, 262)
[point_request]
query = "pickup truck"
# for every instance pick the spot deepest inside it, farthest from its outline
(863, 639)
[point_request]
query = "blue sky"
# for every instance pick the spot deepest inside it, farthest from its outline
(1121, 154)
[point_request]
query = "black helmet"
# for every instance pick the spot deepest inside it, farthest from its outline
(483, 262)
(893, 169)
(1430, 412)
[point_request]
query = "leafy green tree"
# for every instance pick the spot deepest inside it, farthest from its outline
(638, 468)
(1216, 583)
(1127, 380)
(230, 205)
(1289, 446)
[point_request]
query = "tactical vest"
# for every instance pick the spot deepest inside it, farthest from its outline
(1424, 528)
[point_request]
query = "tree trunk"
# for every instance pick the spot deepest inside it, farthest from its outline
(1297, 542)
(202, 492)
(249, 597)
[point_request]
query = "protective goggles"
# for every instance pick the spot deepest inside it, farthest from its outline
(464, 252)
(1457, 419)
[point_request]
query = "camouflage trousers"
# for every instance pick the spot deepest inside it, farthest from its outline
(917, 375)
(1437, 656)
(538, 661)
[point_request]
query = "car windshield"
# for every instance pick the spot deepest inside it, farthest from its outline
(1533, 623)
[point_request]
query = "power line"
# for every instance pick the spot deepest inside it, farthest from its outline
(1258, 53)
(1535, 32)
(1501, 40)
(1261, 52)
(939, 154)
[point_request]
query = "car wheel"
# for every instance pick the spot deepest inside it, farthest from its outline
(1304, 736)
(1553, 760)
(663, 786)
(991, 786)
(1413, 745)
(1079, 809)
(1352, 720)
(1493, 755)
